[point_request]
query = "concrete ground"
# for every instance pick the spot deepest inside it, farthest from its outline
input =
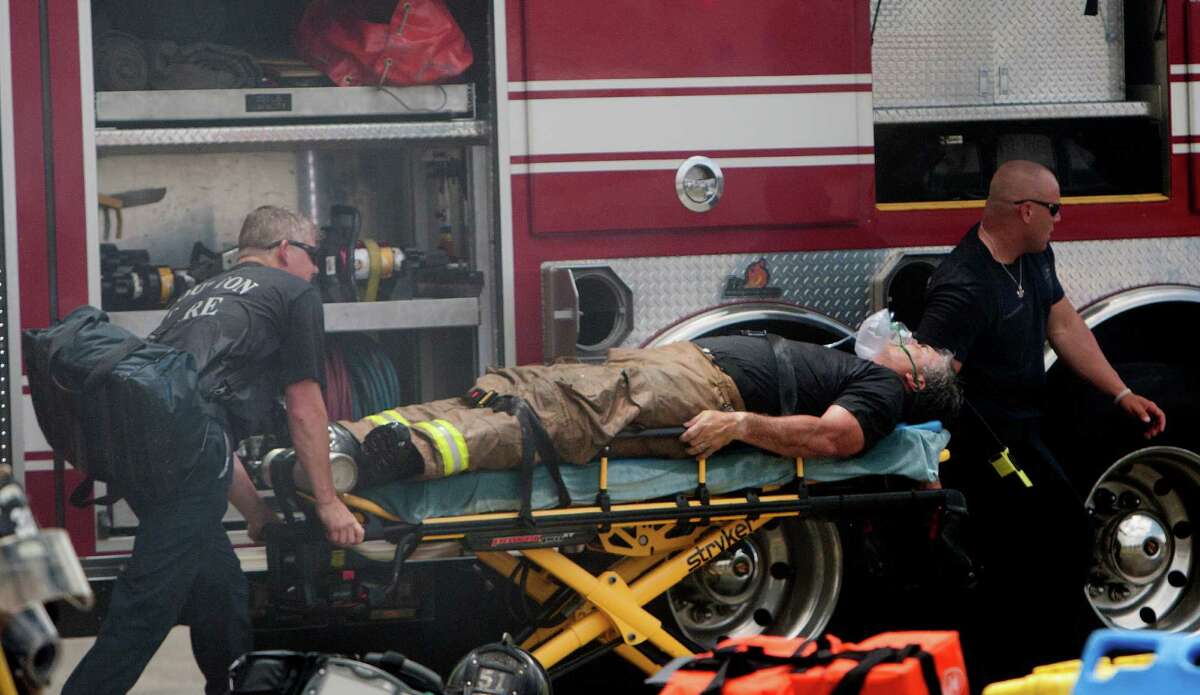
(171, 672)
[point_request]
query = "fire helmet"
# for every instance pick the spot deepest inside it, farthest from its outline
(499, 668)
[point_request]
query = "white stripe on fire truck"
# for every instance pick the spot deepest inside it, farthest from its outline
(696, 124)
(1185, 69)
(1185, 108)
(673, 164)
(688, 82)
(1185, 148)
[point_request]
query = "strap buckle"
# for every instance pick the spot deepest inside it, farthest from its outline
(478, 398)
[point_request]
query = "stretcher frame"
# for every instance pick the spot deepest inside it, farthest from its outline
(659, 543)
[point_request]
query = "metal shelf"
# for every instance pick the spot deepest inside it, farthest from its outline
(283, 103)
(332, 133)
(1013, 112)
(406, 314)
(402, 314)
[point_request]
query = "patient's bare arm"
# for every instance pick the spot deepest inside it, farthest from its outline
(835, 434)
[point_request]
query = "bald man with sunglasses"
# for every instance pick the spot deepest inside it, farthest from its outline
(994, 303)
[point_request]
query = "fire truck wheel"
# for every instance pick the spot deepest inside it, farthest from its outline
(1143, 495)
(783, 580)
(1142, 573)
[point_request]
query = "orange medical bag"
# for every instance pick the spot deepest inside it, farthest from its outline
(892, 663)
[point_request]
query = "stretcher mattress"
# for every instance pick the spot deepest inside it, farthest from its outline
(909, 451)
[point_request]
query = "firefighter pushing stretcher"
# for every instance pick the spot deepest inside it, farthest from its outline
(792, 398)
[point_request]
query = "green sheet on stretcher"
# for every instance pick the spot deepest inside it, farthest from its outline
(910, 452)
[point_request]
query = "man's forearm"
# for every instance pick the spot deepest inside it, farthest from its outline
(1076, 345)
(310, 438)
(792, 435)
(246, 499)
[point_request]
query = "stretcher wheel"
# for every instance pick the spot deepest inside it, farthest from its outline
(783, 580)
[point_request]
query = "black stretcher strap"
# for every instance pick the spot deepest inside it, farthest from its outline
(786, 376)
(535, 445)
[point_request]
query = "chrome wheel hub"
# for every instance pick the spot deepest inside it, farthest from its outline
(733, 577)
(782, 580)
(1138, 548)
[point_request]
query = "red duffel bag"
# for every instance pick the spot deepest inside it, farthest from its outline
(421, 44)
(901, 663)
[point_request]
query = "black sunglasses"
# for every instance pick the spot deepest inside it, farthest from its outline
(1052, 207)
(314, 253)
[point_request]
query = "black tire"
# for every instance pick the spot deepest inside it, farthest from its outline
(1142, 494)
(1088, 433)
(784, 580)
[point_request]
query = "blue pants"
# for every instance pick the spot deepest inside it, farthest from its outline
(182, 571)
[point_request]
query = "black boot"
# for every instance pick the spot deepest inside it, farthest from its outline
(389, 454)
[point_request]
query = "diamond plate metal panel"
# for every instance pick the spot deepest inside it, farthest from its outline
(1050, 51)
(1092, 270)
(1014, 112)
(278, 134)
(932, 52)
(665, 290)
(971, 52)
(837, 283)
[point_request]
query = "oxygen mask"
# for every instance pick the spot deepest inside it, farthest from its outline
(877, 331)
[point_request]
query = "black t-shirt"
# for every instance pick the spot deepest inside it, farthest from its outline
(973, 310)
(824, 377)
(253, 330)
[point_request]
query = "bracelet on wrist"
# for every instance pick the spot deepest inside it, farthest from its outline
(1124, 392)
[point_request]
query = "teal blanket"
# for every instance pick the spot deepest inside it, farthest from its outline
(911, 452)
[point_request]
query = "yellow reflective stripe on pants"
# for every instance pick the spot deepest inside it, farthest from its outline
(389, 415)
(450, 444)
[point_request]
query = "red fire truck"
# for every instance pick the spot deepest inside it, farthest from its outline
(629, 173)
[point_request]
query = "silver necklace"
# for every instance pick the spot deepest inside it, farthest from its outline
(1016, 280)
(1019, 279)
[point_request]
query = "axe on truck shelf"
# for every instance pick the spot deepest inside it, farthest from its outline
(112, 204)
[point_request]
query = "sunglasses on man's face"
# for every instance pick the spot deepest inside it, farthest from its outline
(314, 253)
(1052, 207)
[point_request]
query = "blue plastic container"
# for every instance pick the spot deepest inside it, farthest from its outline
(1174, 669)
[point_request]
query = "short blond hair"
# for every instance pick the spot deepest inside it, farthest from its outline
(268, 224)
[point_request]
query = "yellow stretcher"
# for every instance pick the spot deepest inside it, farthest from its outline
(652, 545)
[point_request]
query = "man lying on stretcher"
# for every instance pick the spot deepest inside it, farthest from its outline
(792, 398)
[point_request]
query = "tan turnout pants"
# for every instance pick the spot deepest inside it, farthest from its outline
(581, 406)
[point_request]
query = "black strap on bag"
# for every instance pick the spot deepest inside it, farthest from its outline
(852, 683)
(732, 662)
(81, 496)
(535, 445)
